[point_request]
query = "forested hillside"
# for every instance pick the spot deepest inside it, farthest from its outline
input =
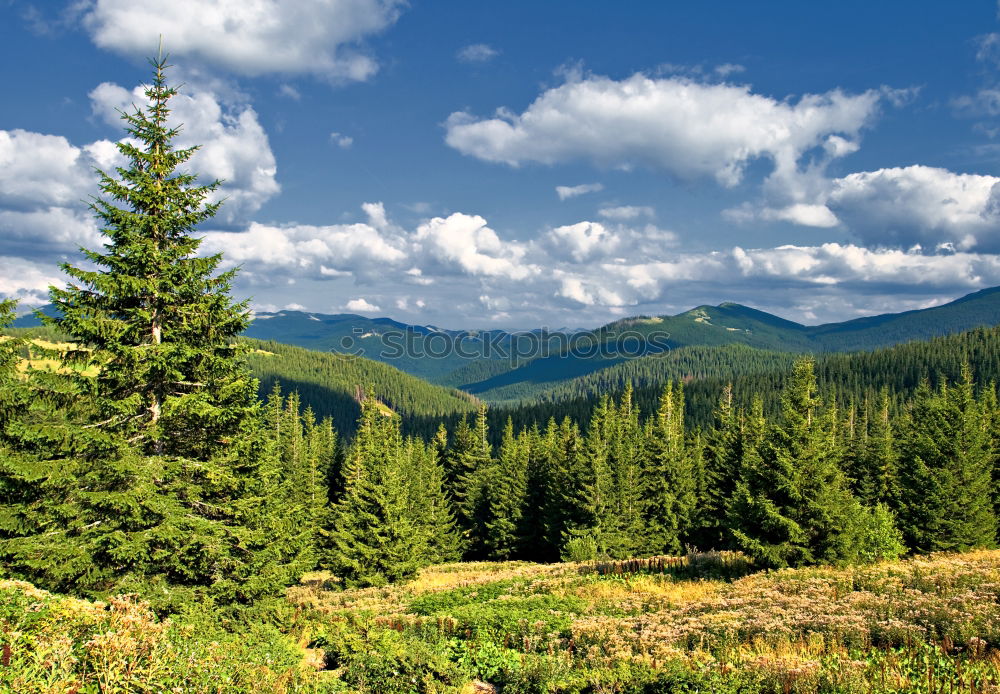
(845, 378)
(329, 384)
(143, 463)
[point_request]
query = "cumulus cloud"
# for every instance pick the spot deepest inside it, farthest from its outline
(589, 241)
(233, 144)
(567, 192)
(684, 127)
(477, 53)
(583, 241)
(44, 184)
(44, 170)
(361, 305)
(341, 140)
(625, 212)
(26, 280)
(818, 216)
(268, 253)
(920, 205)
(464, 243)
(319, 37)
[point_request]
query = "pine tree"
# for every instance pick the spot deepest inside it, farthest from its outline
(946, 469)
(792, 505)
(173, 482)
(374, 537)
(722, 453)
(431, 511)
(505, 497)
(669, 491)
(877, 466)
(623, 537)
(14, 397)
(533, 531)
(599, 491)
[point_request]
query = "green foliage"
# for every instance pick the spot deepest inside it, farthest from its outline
(581, 546)
(328, 382)
(392, 517)
(143, 467)
(878, 537)
(946, 465)
(792, 505)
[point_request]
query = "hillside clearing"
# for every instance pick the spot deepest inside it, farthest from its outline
(927, 624)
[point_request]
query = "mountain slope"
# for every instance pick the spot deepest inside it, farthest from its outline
(329, 382)
(488, 370)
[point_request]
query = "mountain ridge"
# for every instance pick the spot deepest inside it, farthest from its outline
(492, 368)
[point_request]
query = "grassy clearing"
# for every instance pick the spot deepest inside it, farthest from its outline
(923, 625)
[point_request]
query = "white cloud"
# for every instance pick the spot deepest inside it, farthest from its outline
(465, 243)
(687, 128)
(477, 53)
(727, 69)
(290, 92)
(567, 192)
(48, 232)
(340, 140)
(361, 250)
(626, 212)
(43, 170)
(583, 241)
(590, 241)
(919, 204)
(234, 146)
(818, 216)
(361, 305)
(27, 281)
(319, 37)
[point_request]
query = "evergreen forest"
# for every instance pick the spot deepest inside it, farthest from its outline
(168, 484)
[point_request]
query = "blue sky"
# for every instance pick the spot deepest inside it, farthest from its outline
(521, 164)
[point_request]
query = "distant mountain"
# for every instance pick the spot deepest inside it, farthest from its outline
(498, 365)
(728, 324)
(421, 350)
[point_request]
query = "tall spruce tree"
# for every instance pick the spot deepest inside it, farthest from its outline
(792, 505)
(723, 450)
(430, 509)
(505, 496)
(946, 469)
(669, 484)
(374, 537)
(173, 489)
(624, 535)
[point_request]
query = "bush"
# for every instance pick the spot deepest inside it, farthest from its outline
(878, 537)
(580, 547)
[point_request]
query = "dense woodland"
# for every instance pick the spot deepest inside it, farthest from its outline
(146, 462)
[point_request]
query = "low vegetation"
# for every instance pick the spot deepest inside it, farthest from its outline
(924, 625)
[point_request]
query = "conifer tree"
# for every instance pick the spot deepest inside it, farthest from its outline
(14, 396)
(505, 496)
(877, 466)
(431, 511)
(533, 534)
(669, 489)
(723, 451)
(599, 484)
(623, 537)
(374, 537)
(792, 505)
(174, 484)
(946, 469)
